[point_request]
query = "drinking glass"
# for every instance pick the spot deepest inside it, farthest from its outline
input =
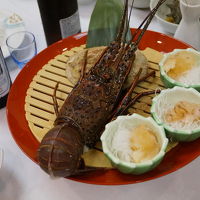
(22, 47)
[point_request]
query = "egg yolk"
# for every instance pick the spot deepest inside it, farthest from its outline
(144, 144)
(176, 65)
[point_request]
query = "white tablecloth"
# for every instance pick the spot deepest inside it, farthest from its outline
(21, 179)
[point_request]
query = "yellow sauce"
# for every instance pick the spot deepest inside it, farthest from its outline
(170, 19)
(177, 64)
(144, 144)
(185, 111)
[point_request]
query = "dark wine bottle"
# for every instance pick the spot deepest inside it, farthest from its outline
(60, 18)
(5, 81)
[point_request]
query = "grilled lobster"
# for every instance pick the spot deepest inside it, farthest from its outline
(93, 102)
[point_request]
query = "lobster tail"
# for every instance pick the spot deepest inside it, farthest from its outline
(60, 151)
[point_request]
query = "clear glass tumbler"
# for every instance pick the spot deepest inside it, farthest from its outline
(22, 47)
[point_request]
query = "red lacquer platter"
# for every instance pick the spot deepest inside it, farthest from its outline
(178, 157)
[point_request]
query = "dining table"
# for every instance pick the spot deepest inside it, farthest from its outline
(22, 179)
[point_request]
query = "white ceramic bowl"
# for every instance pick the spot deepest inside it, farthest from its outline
(131, 122)
(170, 82)
(172, 97)
(161, 15)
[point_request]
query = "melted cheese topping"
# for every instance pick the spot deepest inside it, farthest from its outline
(179, 64)
(144, 144)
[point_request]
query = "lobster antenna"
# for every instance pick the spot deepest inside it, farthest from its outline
(146, 18)
(149, 19)
(123, 20)
(139, 27)
(128, 23)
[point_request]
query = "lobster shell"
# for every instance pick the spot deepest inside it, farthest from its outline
(67, 147)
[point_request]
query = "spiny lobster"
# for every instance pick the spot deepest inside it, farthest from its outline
(94, 101)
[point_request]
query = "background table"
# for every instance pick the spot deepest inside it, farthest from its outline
(21, 179)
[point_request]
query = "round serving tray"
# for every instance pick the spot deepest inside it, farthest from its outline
(178, 157)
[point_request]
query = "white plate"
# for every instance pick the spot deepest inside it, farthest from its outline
(6, 30)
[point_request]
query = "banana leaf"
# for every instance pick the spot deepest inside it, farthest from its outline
(104, 22)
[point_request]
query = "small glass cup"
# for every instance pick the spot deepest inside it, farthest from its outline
(22, 47)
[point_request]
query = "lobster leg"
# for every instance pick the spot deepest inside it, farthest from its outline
(84, 168)
(55, 103)
(127, 101)
(127, 96)
(152, 73)
(135, 98)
